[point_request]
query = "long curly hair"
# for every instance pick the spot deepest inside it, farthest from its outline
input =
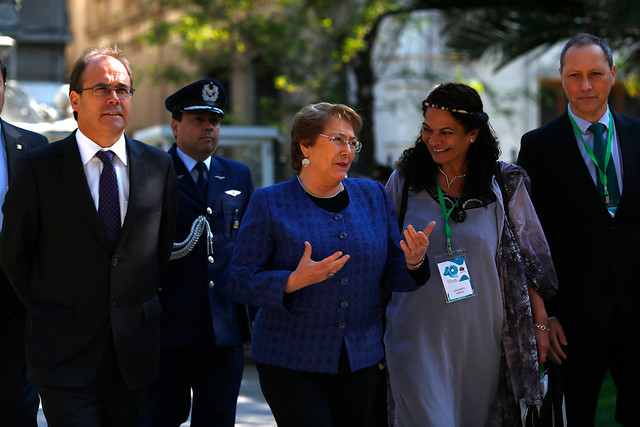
(464, 103)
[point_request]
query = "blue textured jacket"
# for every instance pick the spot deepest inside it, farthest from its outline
(304, 330)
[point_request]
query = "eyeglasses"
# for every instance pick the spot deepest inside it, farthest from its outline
(354, 144)
(101, 89)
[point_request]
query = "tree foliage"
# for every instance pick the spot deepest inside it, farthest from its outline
(515, 28)
(306, 49)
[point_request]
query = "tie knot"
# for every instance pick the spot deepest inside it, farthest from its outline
(201, 167)
(105, 156)
(597, 128)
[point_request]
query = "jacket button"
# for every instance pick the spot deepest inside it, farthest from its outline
(337, 217)
(159, 289)
(342, 325)
(211, 285)
(344, 304)
(209, 210)
(114, 306)
(210, 259)
(344, 281)
(343, 236)
(114, 262)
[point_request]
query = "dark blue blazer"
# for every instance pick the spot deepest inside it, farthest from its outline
(595, 256)
(304, 330)
(196, 309)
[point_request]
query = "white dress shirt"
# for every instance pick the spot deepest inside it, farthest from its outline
(93, 169)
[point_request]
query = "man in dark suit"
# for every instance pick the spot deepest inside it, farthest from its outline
(18, 397)
(202, 328)
(92, 218)
(589, 208)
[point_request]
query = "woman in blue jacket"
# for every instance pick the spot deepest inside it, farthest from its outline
(314, 253)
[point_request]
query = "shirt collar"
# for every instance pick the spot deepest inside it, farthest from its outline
(583, 125)
(88, 148)
(189, 162)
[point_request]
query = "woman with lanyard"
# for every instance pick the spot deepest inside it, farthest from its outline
(464, 349)
(314, 253)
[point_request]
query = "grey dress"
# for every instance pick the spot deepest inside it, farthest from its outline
(444, 358)
(472, 362)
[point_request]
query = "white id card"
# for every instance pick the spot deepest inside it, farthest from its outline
(455, 276)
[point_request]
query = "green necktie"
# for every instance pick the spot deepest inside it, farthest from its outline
(599, 150)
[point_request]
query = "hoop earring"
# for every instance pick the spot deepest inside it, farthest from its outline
(305, 162)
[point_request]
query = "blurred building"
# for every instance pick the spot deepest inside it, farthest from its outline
(39, 30)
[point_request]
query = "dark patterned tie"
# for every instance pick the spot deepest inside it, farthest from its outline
(108, 200)
(202, 177)
(599, 151)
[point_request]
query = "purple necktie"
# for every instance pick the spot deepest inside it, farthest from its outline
(108, 200)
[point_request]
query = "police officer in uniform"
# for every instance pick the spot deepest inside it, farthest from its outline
(203, 330)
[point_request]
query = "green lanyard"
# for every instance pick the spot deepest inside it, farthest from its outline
(447, 214)
(602, 173)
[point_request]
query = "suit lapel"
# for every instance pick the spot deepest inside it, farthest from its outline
(630, 151)
(71, 170)
(12, 143)
(573, 167)
(186, 182)
(217, 180)
(138, 172)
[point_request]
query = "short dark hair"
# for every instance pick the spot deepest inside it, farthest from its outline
(311, 120)
(113, 50)
(585, 39)
(3, 70)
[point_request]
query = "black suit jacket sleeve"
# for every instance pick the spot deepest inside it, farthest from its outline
(16, 249)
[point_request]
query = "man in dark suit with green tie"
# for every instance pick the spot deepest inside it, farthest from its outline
(585, 180)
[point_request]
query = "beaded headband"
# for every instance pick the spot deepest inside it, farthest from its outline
(453, 110)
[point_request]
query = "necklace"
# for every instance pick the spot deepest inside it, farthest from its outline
(340, 188)
(446, 177)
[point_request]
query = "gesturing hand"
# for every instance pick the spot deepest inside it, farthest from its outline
(309, 272)
(416, 244)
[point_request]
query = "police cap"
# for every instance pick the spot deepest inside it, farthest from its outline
(203, 95)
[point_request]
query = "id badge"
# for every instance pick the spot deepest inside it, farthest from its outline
(455, 275)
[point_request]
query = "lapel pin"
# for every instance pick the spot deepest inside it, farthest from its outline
(233, 193)
(18, 146)
(219, 177)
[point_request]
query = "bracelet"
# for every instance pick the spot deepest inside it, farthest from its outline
(418, 265)
(542, 327)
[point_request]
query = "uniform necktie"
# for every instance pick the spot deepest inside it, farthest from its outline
(202, 177)
(599, 151)
(108, 199)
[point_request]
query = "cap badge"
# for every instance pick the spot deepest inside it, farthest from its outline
(210, 92)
